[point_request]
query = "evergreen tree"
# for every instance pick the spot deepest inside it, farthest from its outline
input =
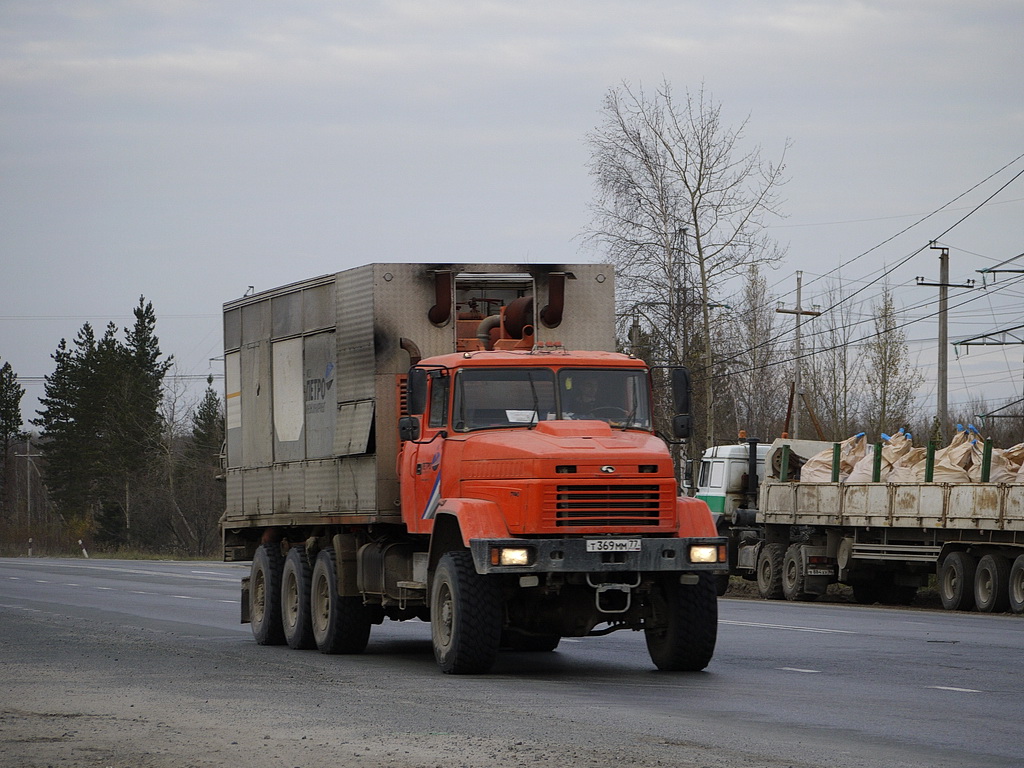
(11, 393)
(100, 422)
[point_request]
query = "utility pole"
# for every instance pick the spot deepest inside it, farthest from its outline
(943, 285)
(798, 392)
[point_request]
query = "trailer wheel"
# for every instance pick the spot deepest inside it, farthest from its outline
(992, 584)
(956, 581)
(295, 600)
(684, 627)
(794, 579)
(265, 595)
(340, 624)
(465, 616)
(769, 572)
(1016, 581)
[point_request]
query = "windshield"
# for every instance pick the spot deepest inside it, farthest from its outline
(509, 397)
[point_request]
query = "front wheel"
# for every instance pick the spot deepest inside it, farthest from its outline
(682, 632)
(465, 616)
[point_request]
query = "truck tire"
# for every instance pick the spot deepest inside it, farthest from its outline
(684, 624)
(265, 595)
(465, 616)
(769, 572)
(340, 624)
(1016, 589)
(794, 579)
(956, 581)
(295, 600)
(992, 584)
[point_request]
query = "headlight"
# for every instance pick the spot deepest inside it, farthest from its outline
(510, 556)
(704, 553)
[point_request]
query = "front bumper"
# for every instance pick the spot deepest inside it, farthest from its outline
(571, 556)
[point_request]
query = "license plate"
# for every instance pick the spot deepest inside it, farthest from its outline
(819, 571)
(613, 545)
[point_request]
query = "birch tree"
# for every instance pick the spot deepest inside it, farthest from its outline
(680, 207)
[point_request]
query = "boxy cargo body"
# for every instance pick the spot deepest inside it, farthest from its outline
(410, 441)
(311, 371)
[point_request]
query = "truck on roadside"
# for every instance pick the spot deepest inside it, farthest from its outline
(458, 444)
(885, 540)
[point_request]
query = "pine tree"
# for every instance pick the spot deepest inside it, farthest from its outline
(101, 424)
(11, 393)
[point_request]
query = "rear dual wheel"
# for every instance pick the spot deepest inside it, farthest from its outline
(295, 600)
(1016, 588)
(265, 595)
(340, 623)
(992, 584)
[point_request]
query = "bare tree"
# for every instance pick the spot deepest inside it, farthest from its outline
(835, 372)
(890, 376)
(680, 207)
(754, 374)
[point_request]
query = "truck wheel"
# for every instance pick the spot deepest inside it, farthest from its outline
(769, 572)
(1016, 590)
(465, 616)
(295, 602)
(992, 584)
(956, 581)
(794, 580)
(265, 595)
(684, 626)
(340, 624)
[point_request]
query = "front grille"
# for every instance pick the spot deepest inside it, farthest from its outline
(579, 506)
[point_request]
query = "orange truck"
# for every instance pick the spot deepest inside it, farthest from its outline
(429, 442)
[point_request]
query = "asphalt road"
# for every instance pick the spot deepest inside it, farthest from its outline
(120, 663)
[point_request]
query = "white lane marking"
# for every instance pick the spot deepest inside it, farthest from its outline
(950, 688)
(797, 669)
(105, 588)
(41, 581)
(71, 585)
(785, 626)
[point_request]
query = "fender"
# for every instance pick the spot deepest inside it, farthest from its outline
(477, 519)
(695, 518)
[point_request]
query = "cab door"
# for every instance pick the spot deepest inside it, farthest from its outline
(421, 459)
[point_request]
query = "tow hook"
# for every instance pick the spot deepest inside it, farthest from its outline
(613, 598)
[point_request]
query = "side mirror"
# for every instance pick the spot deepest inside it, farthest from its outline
(416, 386)
(409, 429)
(682, 423)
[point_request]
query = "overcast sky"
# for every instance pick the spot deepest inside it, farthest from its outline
(184, 150)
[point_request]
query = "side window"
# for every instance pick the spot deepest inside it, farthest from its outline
(717, 474)
(438, 401)
(705, 470)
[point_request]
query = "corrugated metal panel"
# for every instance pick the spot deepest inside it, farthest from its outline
(321, 404)
(234, 481)
(357, 477)
(258, 491)
(289, 488)
(257, 442)
(322, 486)
(355, 341)
(355, 421)
(318, 312)
(286, 314)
